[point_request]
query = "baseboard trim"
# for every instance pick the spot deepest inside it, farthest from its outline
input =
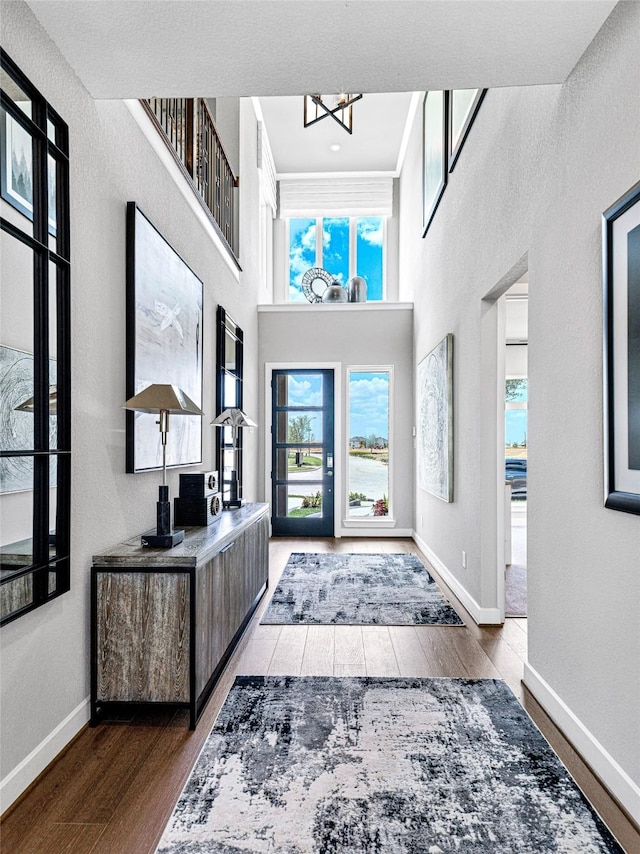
(372, 532)
(604, 766)
(482, 616)
(21, 777)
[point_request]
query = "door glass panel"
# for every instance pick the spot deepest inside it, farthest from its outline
(368, 443)
(300, 501)
(298, 427)
(299, 465)
(299, 390)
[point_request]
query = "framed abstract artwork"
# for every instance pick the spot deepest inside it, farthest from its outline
(434, 153)
(164, 343)
(463, 106)
(435, 421)
(621, 285)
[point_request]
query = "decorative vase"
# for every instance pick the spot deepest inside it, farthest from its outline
(357, 289)
(335, 293)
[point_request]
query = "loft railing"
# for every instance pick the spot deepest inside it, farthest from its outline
(187, 127)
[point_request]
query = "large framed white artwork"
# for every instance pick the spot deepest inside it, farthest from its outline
(435, 420)
(164, 343)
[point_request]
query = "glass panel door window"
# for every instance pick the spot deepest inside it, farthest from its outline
(343, 246)
(368, 478)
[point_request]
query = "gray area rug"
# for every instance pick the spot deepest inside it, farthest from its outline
(330, 765)
(358, 589)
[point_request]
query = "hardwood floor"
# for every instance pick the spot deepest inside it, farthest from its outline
(115, 787)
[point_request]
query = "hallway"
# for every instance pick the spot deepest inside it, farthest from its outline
(113, 790)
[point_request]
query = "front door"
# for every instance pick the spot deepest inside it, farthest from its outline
(302, 467)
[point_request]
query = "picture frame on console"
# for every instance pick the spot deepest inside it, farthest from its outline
(621, 291)
(164, 343)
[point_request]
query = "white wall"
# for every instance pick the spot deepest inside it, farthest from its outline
(45, 655)
(538, 168)
(351, 336)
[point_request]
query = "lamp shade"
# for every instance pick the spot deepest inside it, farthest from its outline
(233, 418)
(28, 405)
(159, 396)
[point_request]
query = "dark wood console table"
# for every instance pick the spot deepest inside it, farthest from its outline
(165, 621)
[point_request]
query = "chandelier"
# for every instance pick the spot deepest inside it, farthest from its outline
(343, 104)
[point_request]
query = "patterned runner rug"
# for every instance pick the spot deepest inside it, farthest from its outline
(358, 589)
(332, 765)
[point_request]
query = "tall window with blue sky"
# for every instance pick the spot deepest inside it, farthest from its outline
(344, 246)
(369, 395)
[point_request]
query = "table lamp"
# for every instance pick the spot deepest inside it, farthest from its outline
(163, 400)
(234, 418)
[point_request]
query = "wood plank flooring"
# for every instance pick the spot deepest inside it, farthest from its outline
(115, 787)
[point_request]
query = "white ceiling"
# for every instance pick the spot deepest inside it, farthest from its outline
(209, 48)
(379, 123)
(276, 48)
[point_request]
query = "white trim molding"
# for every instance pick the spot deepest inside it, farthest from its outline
(336, 367)
(25, 772)
(604, 766)
(482, 616)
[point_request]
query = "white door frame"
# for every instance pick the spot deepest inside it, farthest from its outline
(492, 515)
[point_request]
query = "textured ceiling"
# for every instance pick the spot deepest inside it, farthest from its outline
(192, 48)
(379, 122)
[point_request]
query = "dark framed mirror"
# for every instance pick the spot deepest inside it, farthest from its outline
(229, 368)
(35, 376)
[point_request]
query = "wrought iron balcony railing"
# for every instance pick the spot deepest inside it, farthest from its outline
(188, 129)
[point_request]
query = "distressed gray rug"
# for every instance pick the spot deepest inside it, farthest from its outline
(329, 765)
(358, 589)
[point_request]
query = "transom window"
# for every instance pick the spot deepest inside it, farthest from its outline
(343, 246)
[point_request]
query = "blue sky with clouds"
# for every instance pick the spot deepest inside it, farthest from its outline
(369, 404)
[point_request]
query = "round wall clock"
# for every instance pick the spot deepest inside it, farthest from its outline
(315, 282)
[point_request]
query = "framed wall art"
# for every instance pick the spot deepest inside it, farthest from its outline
(621, 275)
(434, 153)
(463, 106)
(435, 421)
(164, 343)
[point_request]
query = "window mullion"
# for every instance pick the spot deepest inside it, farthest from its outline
(353, 256)
(319, 234)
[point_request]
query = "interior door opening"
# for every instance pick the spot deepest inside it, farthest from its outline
(302, 452)
(516, 447)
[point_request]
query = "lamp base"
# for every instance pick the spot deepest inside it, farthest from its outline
(162, 541)
(233, 504)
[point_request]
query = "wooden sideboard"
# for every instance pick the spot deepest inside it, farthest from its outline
(165, 621)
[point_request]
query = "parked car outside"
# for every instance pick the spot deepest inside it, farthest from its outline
(516, 474)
